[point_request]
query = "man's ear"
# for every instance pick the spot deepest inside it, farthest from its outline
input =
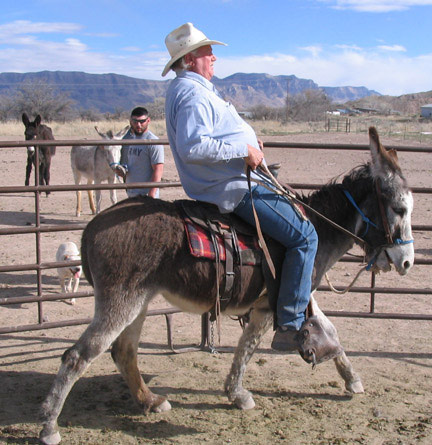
(189, 58)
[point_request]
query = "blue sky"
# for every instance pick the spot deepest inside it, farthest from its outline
(384, 45)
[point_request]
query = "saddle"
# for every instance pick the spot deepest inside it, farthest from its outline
(223, 238)
(233, 241)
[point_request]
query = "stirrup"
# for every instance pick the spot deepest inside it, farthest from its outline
(316, 344)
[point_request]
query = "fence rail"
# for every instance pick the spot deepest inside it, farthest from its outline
(39, 266)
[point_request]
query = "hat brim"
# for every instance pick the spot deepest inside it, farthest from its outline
(188, 50)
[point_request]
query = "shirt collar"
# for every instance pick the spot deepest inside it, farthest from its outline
(198, 78)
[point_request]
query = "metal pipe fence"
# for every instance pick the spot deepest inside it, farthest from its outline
(38, 266)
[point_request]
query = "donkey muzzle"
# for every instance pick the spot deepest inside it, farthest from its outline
(316, 344)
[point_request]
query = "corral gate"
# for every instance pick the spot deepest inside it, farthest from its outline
(39, 265)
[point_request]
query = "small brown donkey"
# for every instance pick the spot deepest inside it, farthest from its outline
(36, 130)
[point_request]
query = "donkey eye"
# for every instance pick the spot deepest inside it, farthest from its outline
(399, 211)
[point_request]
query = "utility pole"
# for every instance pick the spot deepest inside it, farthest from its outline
(287, 100)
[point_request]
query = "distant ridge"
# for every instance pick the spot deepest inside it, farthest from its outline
(112, 92)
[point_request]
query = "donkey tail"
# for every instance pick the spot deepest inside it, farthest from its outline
(84, 259)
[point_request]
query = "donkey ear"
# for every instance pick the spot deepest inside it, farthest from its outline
(38, 120)
(25, 119)
(383, 162)
(393, 154)
(121, 133)
(102, 135)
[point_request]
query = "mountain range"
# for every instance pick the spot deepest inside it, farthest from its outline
(113, 92)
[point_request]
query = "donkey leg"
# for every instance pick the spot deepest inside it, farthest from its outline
(78, 203)
(344, 367)
(98, 194)
(47, 170)
(95, 340)
(28, 169)
(124, 354)
(113, 194)
(259, 323)
(91, 198)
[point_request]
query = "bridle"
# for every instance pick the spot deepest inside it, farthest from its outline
(291, 196)
(385, 223)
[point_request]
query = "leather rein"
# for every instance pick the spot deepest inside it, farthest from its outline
(291, 196)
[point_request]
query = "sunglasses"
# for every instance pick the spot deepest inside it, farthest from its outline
(140, 121)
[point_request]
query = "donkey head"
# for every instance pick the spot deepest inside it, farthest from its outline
(112, 152)
(392, 201)
(31, 130)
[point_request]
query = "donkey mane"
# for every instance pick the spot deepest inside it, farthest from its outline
(330, 199)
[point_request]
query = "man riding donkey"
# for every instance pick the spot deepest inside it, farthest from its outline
(212, 145)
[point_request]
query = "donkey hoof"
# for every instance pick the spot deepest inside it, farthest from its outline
(50, 439)
(164, 406)
(355, 387)
(245, 403)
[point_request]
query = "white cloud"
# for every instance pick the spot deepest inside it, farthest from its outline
(394, 48)
(75, 44)
(348, 47)
(377, 5)
(393, 74)
(9, 31)
(313, 50)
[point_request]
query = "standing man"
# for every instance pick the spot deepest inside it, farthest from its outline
(211, 145)
(141, 163)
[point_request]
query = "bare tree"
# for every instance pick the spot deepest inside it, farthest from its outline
(38, 97)
(309, 105)
(6, 106)
(156, 109)
(263, 113)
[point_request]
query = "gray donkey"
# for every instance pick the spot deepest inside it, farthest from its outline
(94, 164)
(138, 249)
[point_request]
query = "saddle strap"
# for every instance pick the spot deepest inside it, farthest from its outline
(258, 228)
(229, 267)
(223, 297)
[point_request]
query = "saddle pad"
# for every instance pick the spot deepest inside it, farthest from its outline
(201, 245)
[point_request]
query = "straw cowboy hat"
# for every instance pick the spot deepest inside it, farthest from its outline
(183, 40)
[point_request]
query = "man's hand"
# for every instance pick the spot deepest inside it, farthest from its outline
(254, 158)
(121, 171)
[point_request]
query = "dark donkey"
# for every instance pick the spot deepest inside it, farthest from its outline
(36, 130)
(138, 249)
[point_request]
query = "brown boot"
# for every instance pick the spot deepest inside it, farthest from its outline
(285, 340)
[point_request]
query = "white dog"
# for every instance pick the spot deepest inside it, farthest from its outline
(69, 276)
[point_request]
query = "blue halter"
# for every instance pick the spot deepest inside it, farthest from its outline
(368, 222)
(363, 216)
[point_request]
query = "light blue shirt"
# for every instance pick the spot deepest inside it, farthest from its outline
(208, 140)
(139, 160)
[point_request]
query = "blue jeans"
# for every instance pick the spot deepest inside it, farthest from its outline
(279, 220)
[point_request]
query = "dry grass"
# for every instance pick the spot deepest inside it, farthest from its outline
(395, 127)
(75, 129)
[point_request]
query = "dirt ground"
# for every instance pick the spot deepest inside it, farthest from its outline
(294, 404)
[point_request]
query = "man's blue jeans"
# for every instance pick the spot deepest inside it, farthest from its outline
(279, 220)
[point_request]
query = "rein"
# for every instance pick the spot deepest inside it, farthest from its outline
(290, 195)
